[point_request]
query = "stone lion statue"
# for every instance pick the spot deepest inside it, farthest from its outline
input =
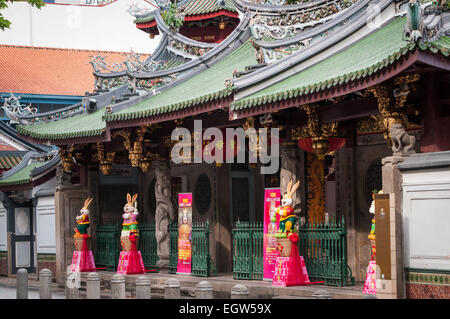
(402, 143)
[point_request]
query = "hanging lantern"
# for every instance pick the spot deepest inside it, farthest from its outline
(221, 24)
(321, 146)
(152, 35)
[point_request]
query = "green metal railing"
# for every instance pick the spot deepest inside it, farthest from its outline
(201, 259)
(248, 250)
(148, 245)
(173, 255)
(324, 249)
(201, 262)
(108, 246)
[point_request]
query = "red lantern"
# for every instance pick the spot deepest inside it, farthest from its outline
(334, 143)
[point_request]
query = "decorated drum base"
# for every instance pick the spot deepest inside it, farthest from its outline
(82, 261)
(125, 242)
(291, 271)
(370, 285)
(284, 247)
(130, 262)
(78, 241)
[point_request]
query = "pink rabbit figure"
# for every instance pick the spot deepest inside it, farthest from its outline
(129, 216)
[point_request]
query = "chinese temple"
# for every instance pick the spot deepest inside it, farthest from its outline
(348, 83)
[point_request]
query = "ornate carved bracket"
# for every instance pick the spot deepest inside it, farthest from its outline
(319, 132)
(66, 157)
(391, 102)
(105, 159)
(135, 147)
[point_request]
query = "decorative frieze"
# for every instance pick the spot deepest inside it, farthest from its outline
(186, 48)
(287, 25)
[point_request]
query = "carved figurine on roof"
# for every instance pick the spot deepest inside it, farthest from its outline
(414, 26)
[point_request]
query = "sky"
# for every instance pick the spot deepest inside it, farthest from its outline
(107, 28)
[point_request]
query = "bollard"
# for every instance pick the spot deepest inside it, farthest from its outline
(117, 287)
(321, 294)
(172, 289)
(369, 296)
(204, 290)
(239, 291)
(93, 286)
(72, 285)
(22, 284)
(45, 284)
(143, 288)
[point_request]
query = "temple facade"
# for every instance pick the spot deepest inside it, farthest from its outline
(354, 88)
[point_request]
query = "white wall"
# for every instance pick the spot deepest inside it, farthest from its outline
(45, 225)
(3, 228)
(426, 218)
(107, 28)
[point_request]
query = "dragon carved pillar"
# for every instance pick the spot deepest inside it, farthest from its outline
(164, 212)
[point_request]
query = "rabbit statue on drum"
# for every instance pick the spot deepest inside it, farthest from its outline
(129, 216)
(286, 212)
(83, 219)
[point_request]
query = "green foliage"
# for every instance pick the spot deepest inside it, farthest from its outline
(170, 17)
(5, 23)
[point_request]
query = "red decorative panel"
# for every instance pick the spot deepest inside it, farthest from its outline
(424, 291)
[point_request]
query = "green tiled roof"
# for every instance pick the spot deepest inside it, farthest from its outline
(369, 55)
(145, 19)
(9, 161)
(81, 125)
(22, 176)
(204, 87)
(172, 64)
(195, 7)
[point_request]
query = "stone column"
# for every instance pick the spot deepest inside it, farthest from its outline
(143, 288)
(204, 290)
(68, 202)
(22, 284)
(172, 289)
(291, 169)
(164, 212)
(93, 286)
(392, 184)
(45, 284)
(117, 287)
(239, 291)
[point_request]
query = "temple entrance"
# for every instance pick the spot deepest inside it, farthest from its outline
(242, 193)
(22, 237)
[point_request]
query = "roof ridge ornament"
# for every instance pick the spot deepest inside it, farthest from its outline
(136, 10)
(14, 110)
(413, 28)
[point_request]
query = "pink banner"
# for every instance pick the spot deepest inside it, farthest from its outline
(272, 198)
(184, 233)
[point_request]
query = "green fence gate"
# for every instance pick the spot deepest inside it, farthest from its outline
(201, 262)
(173, 256)
(148, 245)
(324, 248)
(248, 250)
(108, 246)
